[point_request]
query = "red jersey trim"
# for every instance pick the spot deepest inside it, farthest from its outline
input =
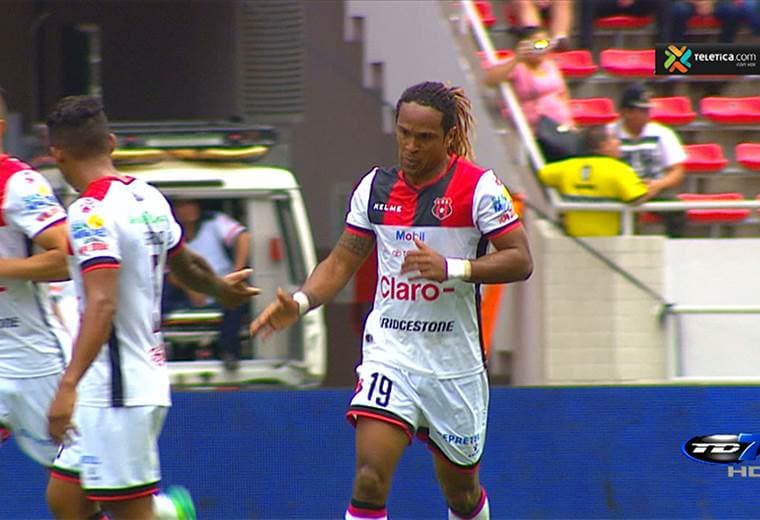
(111, 495)
(53, 224)
(437, 178)
(98, 188)
(355, 230)
(504, 230)
(65, 476)
(97, 266)
(177, 248)
(7, 170)
(353, 414)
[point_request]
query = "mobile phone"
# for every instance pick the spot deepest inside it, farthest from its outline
(541, 45)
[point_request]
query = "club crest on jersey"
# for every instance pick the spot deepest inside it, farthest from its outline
(443, 207)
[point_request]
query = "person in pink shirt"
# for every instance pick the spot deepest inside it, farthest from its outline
(536, 79)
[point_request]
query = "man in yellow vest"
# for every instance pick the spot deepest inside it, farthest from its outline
(597, 176)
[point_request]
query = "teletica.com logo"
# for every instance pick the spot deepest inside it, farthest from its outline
(677, 59)
(726, 449)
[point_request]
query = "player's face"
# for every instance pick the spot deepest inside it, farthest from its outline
(422, 144)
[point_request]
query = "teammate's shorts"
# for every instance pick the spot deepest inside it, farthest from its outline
(24, 405)
(450, 414)
(115, 454)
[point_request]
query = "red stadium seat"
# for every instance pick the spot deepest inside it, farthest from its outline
(623, 22)
(703, 22)
(714, 216)
(485, 10)
(501, 55)
(748, 155)
(649, 218)
(628, 62)
(731, 110)
(704, 158)
(672, 110)
(575, 64)
(593, 111)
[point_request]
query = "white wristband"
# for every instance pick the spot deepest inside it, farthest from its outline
(303, 302)
(458, 269)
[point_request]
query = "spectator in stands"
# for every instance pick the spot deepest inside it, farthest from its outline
(224, 243)
(597, 175)
(593, 9)
(537, 81)
(749, 13)
(728, 13)
(558, 13)
(652, 149)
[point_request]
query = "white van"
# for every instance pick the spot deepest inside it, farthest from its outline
(214, 164)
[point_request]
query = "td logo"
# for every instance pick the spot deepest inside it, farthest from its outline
(723, 448)
(677, 59)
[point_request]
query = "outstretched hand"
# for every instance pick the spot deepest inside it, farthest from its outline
(278, 315)
(428, 262)
(235, 290)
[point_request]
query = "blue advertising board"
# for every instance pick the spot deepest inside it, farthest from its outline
(591, 452)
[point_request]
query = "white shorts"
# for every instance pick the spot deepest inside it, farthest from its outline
(115, 455)
(450, 414)
(24, 405)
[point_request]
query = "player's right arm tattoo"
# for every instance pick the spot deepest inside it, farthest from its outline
(356, 244)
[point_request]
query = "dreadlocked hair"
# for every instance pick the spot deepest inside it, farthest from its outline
(456, 110)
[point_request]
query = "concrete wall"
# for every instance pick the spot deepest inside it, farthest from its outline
(591, 324)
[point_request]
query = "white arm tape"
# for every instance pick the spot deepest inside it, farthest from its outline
(458, 269)
(303, 302)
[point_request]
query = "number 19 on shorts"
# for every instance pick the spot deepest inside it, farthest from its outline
(380, 389)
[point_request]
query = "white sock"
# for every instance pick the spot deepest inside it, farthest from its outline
(163, 508)
(482, 512)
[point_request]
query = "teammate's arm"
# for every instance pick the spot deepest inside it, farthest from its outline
(45, 266)
(511, 262)
(327, 279)
(101, 290)
(194, 271)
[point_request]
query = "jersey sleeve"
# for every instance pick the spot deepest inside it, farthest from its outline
(357, 218)
(30, 203)
(93, 236)
(550, 175)
(227, 228)
(494, 212)
(672, 150)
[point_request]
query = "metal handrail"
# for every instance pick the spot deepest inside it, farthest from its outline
(674, 344)
(507, 94)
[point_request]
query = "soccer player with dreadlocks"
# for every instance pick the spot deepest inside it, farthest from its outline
(423, 366)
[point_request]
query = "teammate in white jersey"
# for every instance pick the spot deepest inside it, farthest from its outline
(31, 356)
(122, 234)
(423, 366)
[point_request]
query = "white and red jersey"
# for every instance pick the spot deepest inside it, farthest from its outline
(422, 325)
(128, 225)
(28, 347)
(216, 236)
